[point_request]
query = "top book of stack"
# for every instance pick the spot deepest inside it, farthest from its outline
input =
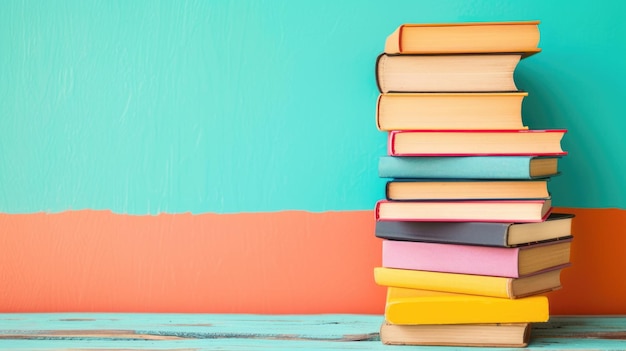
(471, 37)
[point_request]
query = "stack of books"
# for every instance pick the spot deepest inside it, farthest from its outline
(470, 242)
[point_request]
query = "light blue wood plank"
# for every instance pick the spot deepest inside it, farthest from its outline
(264, 332)
(335, 327)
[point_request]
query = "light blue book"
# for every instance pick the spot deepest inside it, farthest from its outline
(468, 167)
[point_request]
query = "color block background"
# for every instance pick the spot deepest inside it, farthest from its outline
(215, 156)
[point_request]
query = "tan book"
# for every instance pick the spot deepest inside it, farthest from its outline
(486, 335)
(446, 73)
(407, 111)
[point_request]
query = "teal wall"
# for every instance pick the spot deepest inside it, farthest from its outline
(144, 107)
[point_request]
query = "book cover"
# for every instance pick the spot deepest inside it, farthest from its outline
(407, 306)
(525, 142)
(464, 37)
(410, 111)
(557, 225)
(464, 210)
(513, 262)
(468, 167)
(470, 284)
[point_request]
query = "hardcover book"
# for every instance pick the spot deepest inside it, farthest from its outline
(470, 284)
(513, 262)
(485, 335)
(464, 210)
(467, 167)
(557, 225)
(464, 37)
(458, 189)
(410, 111)
(476, 143)
(446, 73)
(408, 306)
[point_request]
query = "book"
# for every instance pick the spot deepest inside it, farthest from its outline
(534, 142)
(464, 210)
(466, 189)
(409, 111)
(470, 284)
(409, 306)
(468, 167)
(486, 335)
(463, 37)
(511, 262)
(557, 225)
(446, 73)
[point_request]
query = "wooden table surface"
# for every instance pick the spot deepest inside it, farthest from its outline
(115, 331)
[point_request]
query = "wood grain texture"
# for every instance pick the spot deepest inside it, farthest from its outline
(282, 262)
(263, 332)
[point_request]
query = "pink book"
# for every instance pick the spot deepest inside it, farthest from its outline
(512, 262)
(464, 210)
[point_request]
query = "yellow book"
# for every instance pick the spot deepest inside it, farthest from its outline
(411, 306)
(470, 284)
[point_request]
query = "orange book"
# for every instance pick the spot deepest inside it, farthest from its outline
(409, 111)
(465, 37)
(466, 189)
(446, 73)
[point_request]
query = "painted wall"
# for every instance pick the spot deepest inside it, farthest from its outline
(204, 155)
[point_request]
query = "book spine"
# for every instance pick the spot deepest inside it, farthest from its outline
(392, 44)
(387, 195)
(400, 35)
(378, 125)
(377, 72)
(391, 141)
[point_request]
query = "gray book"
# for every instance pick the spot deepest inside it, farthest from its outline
(557, 225)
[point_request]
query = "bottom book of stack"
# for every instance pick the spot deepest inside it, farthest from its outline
(488, 335)
(421, 317)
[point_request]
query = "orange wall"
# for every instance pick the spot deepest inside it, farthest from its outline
(280, 262)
